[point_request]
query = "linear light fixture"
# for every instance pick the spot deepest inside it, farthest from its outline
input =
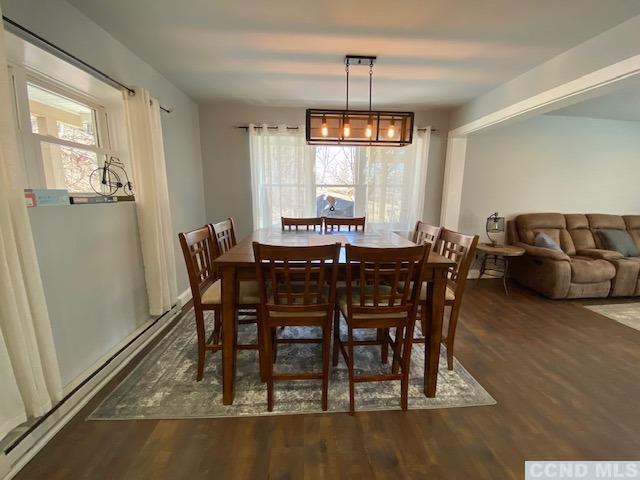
(359, 127)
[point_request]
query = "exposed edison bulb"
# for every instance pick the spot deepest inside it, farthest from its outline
(325, 129)
(369, 130)
(391, 131)
(346, 129)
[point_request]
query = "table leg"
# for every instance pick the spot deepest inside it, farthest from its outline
(482, 267)
(229, 329)
(435, 300)
(505, 275)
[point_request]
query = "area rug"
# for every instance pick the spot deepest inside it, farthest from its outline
(625, 313)
(163, 384)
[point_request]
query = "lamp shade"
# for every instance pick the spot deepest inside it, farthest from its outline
(495, 224)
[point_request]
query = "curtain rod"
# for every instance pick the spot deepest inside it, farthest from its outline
(17, 28)
(275, 127)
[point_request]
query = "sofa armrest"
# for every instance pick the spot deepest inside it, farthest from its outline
(598, 253)
(543, 252)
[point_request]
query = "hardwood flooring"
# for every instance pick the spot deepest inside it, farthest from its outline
(566, 381)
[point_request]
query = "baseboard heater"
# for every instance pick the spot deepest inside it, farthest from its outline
(77, 388)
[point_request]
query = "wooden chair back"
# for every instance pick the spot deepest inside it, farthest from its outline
(461, 249)
(297, 280)
(349, 224)
(199, 250)
(385, 281)
(425, 233)
(310, 223)
(224, 234)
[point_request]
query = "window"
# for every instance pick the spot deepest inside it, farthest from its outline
(384, 184)
(64, 134)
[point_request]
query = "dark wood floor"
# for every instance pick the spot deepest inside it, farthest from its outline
(567, 383)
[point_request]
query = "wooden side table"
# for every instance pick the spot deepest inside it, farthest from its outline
(500, 255)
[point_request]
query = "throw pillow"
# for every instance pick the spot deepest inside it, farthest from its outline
(620, 241)
(545, 241)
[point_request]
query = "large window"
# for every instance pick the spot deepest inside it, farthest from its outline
(385, 184)
(64, 134)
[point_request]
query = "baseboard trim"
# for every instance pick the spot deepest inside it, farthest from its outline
(29, 446)
(184, 298)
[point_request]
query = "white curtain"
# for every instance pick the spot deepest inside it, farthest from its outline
(28, 364)
(146, 152)
(393, 183)
(282, 175)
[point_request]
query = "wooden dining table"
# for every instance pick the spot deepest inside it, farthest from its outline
(238, 263)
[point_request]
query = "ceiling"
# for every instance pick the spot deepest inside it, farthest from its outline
(290, 52)
(621, 104)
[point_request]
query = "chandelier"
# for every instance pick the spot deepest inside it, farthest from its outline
(359, 127)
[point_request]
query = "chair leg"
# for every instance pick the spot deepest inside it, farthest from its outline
(274, 344)
(383, 336)
(451, 334)
(398, 349)
(406, 365)
(350, 360)
(336, 336)
(268, 366)
(326, 347)
(262, 354)
(200, 330)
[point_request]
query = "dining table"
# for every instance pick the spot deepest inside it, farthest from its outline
(238, 263)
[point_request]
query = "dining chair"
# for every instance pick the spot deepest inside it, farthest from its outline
(224, 233)
(310, 223)
(199, 248)
(382, 291)
(297, 289)
(349, 224)
(425, 233)
(461, 249)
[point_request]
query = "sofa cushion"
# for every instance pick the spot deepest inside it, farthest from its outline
(600, 221)
(588, 270)
(620, 241)
(633, 227)
(553, 224)
(581, 234)
(543, 240)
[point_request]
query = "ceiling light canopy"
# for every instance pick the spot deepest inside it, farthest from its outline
(359, 127)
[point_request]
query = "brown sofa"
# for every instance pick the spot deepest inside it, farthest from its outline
(582, 268)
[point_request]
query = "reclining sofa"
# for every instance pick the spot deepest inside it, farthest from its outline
(582, 266)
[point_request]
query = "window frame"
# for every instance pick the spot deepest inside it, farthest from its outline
(31, 142)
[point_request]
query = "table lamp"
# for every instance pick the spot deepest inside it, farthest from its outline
(495, 224)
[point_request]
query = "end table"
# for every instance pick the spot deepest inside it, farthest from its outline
(499, 256)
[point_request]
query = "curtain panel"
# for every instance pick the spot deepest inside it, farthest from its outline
(146, 151)
(29, 370)
(385, 184)
(282, 175)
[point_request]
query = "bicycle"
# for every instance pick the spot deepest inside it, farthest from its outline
(106, 180)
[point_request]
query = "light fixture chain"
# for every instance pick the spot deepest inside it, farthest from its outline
(370, 84)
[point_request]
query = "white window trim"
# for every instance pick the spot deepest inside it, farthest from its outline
(31, 142)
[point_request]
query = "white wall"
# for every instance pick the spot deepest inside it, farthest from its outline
(551, 164)
(92, 271)
(225, 157)
(93, 279)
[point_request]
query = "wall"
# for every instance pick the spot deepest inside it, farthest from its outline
(551, 164)
(96, 302)
(616, 44)
(62, 24)
(92, 271)
(225, 157)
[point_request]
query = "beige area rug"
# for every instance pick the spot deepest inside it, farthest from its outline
(163, 384)
(625, 313)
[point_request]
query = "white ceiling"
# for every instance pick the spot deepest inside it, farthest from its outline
(290, 52)
(620, 104)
